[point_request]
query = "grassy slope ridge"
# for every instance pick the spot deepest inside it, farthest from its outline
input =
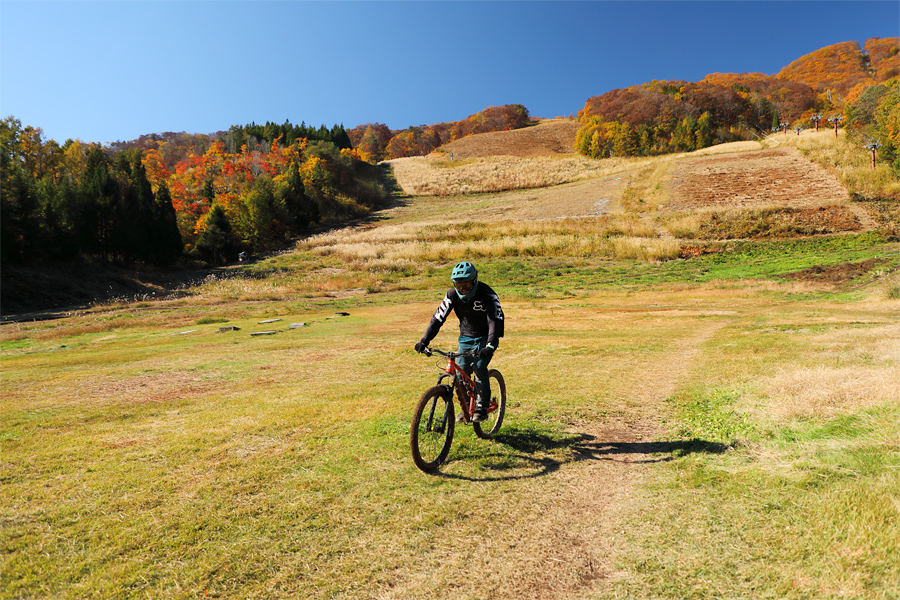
(722, 426)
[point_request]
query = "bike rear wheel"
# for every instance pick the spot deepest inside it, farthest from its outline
(432, 428)
(488, 428)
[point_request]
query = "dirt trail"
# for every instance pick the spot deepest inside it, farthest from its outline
(588, 198)
(569, 526)
(616, 457)
(573, 539)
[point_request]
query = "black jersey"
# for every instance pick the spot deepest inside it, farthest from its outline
(478, 316)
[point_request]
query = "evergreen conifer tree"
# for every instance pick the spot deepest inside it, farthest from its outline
(215, 242)
(167, 242)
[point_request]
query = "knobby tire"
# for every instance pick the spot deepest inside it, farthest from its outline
(431, 431)
(487, 429)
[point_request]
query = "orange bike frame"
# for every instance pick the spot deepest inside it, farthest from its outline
(465, 389)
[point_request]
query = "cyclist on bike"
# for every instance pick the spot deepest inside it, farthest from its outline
(480, 327)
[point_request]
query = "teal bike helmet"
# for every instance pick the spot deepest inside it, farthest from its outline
(464, 271)
(465, 279)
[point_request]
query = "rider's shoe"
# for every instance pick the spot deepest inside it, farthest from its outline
(480, 414)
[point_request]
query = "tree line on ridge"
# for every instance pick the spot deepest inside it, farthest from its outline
(254, 187)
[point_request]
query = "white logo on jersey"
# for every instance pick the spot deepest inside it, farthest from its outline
(499, 315)
(478, 306)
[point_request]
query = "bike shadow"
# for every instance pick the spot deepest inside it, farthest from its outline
(537, 454)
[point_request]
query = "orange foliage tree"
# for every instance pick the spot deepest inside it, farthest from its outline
(670, 115)
(884, 57)
(370, 140)
(265, 193)
(414, 141)
(376, 142)
(839, 67)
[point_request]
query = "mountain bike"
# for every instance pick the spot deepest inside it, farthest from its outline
(434, 419)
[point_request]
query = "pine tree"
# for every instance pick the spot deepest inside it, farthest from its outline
(209, 191)
(98, 205)
(167, 242)
(302, 210)
(215, 241)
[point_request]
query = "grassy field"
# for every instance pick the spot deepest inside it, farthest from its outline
(720, 426)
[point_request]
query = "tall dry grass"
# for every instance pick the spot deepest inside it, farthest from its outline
(824, 392)
(438, 177)
(846, 157)
(865, 373)
(621, 236)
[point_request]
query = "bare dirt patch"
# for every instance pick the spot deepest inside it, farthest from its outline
(779, 177)
(834, 274)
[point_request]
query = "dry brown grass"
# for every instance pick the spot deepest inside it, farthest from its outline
(440, 177)
(826, 392)
(845, 159)
(396, 246)
(547, 138)
(776, 222)
(859, 368)
(740, 178)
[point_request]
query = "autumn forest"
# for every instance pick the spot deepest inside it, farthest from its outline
(170, 197)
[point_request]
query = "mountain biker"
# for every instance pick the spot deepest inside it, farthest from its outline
(480, 328)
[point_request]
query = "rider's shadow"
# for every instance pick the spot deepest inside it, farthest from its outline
(537, 454)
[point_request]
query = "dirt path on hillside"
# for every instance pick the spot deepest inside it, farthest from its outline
(589, 198)
(567, 543)
(583, 529)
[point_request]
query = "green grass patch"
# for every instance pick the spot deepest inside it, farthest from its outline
(710, 415)
(147, 454)
(809, 515)
(538, 277)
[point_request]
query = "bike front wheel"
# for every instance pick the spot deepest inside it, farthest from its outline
(432, 428)
(486, 429)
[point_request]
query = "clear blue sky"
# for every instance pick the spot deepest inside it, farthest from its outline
(109, 71)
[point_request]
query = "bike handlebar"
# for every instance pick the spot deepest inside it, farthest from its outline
(451, 355)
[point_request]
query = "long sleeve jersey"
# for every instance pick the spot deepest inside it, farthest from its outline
(480, 315)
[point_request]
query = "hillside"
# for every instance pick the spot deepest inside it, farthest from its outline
(538, 157)
(846, 67)
(546, 138)
(738, 190)
(663, 117)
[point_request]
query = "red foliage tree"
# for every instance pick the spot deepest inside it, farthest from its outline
(370, 140)
(414, 141)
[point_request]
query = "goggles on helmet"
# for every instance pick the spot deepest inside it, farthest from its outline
(464, 287)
